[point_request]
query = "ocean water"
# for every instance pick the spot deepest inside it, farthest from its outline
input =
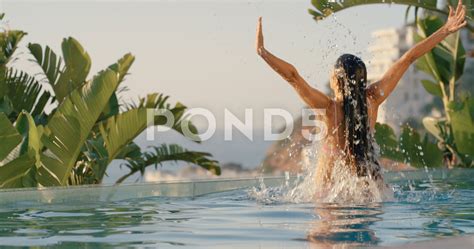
(419, 210)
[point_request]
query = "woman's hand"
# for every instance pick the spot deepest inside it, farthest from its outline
(259, 43)
(456, 19)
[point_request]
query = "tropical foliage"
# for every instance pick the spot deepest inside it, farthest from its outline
(324, 8)
(455, 131)
(86, 129)
(445, 64)
(408, 147)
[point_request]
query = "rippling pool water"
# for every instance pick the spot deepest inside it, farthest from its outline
(422, 210)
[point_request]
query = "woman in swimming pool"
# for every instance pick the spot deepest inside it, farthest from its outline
(351, 115)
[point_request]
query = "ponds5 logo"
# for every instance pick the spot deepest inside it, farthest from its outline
(164, 120)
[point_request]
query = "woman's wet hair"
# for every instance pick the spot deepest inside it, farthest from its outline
(351, 75)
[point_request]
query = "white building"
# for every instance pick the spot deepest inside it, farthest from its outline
(409, 98)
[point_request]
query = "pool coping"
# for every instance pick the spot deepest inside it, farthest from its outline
(177, 188)
(86, 194)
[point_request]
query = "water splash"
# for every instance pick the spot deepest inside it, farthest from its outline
(344, 186)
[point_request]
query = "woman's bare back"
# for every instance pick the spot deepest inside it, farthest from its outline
(335, 117)
(333, 144)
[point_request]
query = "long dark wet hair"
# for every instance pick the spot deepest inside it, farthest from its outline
(351, 75)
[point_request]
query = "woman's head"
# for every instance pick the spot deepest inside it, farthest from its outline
(348, 69)
(349, 82)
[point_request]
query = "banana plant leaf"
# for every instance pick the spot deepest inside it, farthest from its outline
(431, 124)
(419, 152)
(324, 8)
(121, 67)
(408, 148)
(462, 122)
(445, 63)
(71, 124)
(9, 136)
(31, 134)
(77, 64)
(388, 142)
(94, 152)
(432, 88)
(85, 131)
(120, 130)
(77, 61)
(13, 173)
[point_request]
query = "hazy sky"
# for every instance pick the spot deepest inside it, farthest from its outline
(202, 52)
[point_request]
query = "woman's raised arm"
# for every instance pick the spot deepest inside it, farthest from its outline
(380, 90)
(312, 97)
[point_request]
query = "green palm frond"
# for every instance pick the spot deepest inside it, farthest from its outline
(159, 101)
(50, 63)
(169, 153)
(8, 44)
(26, 93)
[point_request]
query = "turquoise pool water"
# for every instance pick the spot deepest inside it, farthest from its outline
(422, 210)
